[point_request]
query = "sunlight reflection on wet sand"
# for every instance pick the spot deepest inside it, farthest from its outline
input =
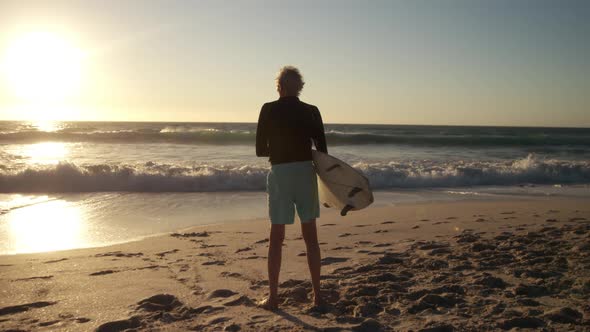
(53, 225)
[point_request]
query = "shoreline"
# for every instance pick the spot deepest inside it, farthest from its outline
(383, 199)
(392, 267)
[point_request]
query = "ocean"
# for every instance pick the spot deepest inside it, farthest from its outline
(109, 182)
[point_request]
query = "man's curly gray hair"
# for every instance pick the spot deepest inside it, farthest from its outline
(290, 81)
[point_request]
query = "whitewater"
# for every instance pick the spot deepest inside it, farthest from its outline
(87, 184)
(211, 157)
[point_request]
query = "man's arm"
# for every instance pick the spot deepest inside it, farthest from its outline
(262, 134)
(318, 135)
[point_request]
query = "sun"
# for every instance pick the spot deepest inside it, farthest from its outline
(42, 67)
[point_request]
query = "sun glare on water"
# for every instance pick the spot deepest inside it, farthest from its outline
(45, 153)
(42, 67)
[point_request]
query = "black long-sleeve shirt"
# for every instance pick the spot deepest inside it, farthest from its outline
(286, 129)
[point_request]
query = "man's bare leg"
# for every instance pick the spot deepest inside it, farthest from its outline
(275, 248)
(310, 235)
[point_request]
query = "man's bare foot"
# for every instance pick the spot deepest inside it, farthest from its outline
(268, 304)
(318, 302)
(319, 308)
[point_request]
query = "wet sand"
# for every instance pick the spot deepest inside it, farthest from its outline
(461, 266)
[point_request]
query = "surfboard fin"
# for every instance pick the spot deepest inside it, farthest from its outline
(345, 210)
(354, 191)
(332, 167)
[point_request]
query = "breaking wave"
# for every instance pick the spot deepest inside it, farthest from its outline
(153, 177)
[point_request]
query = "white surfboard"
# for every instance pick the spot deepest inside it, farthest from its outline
(340, 186)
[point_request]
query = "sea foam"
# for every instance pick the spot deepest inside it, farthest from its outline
(156, 177)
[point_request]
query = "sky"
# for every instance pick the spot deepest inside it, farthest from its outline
(500, 62)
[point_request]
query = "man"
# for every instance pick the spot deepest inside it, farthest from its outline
(286, 129)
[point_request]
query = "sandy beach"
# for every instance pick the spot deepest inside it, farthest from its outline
(149, 149)
(460, 266)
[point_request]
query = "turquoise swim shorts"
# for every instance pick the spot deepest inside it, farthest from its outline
(289, 186)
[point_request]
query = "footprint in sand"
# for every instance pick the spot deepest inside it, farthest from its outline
(344, 235)
(55, 261)
(242, 300)
(157, 309)
(388, 222)
(254, 257)
(224, 293)
(159, 302)
(101, 273)
(377, 252)
(206, 246)
(192, 234)
(164, 253)
(440, 251)
(120, 325)
(381, 245)
(342, 248)
(259, 283)
(218, 320)
(243, 249)
(328, 225)
(233, 327)
(34, 278)
(362, 225)
(381, 231)
(290, 283)
(207, 309)
(431, 245)
(230, 328)
(441, 222)
(116, 254)
(333, 260)
(24, 307)
(345, 269)
(49, 323)
(214, 263)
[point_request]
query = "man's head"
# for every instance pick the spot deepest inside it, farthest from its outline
(289, 81)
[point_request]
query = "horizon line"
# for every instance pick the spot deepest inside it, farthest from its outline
(325, 123)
